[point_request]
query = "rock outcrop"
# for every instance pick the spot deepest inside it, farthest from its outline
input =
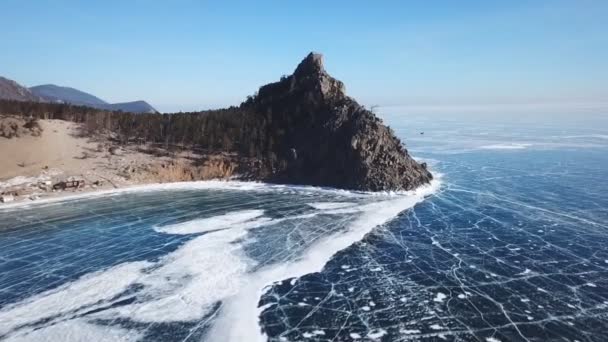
(15, 127)
(302, 129)
(322, 137)
(11, 90)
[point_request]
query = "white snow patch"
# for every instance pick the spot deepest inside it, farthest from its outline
(526, 271)
(331, 205)
(440, 297)
(190, 280)
(228, 220)
(76, 330)
(410, 331)
(376, 334)
(69, 298)
(506, 146)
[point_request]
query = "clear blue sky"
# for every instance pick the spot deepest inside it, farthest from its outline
(185, 55)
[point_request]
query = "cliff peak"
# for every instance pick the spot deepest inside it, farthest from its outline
(311, 65)
(320, 136)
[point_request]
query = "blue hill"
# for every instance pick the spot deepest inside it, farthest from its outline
(59, 94)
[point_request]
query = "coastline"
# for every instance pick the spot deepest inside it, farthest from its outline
(63, 196)
(61, 152)
(38, 163)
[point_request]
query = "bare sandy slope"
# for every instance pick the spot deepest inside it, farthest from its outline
(31, 164)
(57, 147)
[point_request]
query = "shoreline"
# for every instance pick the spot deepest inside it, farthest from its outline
(217, 184)
(41, 164)
(47, 162)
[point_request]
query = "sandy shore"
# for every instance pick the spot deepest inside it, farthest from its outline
(34, 163)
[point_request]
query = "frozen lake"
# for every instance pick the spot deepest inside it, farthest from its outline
(511, 245)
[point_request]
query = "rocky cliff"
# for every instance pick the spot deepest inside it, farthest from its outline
(302, 129)
(322, 137)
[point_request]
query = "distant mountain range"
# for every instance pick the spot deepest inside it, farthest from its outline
(54, 93)
(11, 90)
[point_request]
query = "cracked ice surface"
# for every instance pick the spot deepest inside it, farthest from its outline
(513, 249)
(442, 270)
(176, 262)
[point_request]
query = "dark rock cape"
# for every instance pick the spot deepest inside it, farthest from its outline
(323, 137)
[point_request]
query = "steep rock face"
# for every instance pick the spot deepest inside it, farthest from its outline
(320, 136)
